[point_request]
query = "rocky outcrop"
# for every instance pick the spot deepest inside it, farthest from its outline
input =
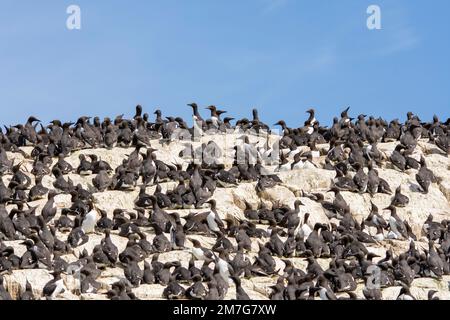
(232, 202)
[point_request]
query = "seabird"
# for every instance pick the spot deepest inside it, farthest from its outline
(4, 295)
(240, 292)
(63, 165)
(90, 220)
(425, 176)
(174, 291)
(38, 191)
(164, 276)
(324, 289)
(375, 219)
(54, 287)
(264, 263)
(199, 252)
(215, 224)
(397, 226)
(102, 181)
(133, 273)
(405, 294)
(196, 291)
(213, 292)
(361, 179)
(399, 200)
(27, 294)
(434, 261)
(432, 295)
(160, 242)
(77, 237)
(104, 222)
(398, 159)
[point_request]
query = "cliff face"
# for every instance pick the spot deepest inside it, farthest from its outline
(231, 202)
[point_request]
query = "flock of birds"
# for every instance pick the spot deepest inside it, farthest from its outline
(352, 155)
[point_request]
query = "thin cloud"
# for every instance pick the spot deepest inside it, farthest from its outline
(317, 61)
(398, 31)
(401, 39)
(322, 61)
(272, 5)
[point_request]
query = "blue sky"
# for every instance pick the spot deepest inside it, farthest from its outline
(282, 56)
